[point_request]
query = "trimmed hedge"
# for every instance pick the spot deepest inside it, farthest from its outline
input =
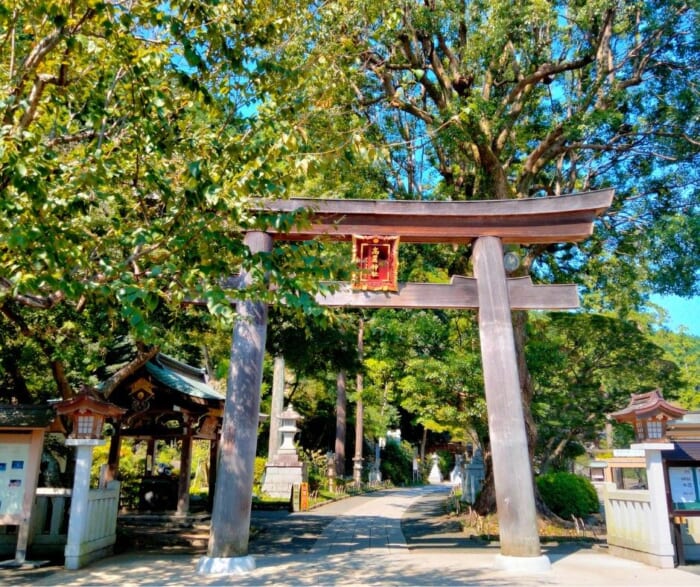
(567, 494)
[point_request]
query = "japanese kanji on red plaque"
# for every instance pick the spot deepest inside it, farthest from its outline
(377, 260)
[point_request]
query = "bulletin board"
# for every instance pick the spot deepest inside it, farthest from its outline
(684, 486)
(15, 450)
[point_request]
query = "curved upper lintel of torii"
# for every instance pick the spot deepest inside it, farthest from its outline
(556, 219)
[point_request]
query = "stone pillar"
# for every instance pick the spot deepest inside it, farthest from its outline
(473, 478)
(359, 409)
(662, 548)
(276, 407)
(78, 522)
(515, 498)
(227, 552)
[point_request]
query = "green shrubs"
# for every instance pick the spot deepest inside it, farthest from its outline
(567, 494)
(397, 463)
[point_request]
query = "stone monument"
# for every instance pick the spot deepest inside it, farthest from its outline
(473, 478)
(457, 473)
(435, 477)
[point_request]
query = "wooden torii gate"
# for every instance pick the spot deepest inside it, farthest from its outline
(486, 224)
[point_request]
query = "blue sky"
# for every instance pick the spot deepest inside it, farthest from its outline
(681, 311)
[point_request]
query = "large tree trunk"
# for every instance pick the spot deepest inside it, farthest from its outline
(340, 423)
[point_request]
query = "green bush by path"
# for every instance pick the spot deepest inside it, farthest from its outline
(397, 463)
(567, 494)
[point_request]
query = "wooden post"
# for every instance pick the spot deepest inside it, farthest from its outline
(151, 456)
(230, 527)
(276, 407)
(211, 477)
(515, 500)
(340, 423)
(183, 486)
(115, 443)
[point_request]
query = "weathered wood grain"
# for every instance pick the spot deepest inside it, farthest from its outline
(526, 221)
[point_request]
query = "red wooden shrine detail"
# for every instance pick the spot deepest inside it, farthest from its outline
(377, 261)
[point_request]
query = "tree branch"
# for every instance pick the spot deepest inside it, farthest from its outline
(57, 368)
(41, 302)
(144, 355)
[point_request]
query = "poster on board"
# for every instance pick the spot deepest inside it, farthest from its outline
(14, 460)
(683, 483)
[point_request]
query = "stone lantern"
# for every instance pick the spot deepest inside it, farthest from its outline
(288, 429)
(284, 469)
(87, 413)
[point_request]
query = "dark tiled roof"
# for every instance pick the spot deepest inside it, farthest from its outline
(683, 451)
(25, 416)
(182, 377)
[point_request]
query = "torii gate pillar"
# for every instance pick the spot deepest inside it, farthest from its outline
(515, 500)
(230, 530)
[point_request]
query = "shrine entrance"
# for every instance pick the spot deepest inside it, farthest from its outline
(487, 225)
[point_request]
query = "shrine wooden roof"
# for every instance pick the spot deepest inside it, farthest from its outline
(181, 377)
(647, 405)
(566, 218)
(685, 428)
(163, 395)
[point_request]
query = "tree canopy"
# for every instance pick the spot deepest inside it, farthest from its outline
(137, 140)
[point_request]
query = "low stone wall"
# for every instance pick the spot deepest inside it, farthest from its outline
(631, 527)
(100, 528)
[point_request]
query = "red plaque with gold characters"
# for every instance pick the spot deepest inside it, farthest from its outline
(377, 260)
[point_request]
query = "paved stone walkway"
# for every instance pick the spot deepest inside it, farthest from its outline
(364, 545)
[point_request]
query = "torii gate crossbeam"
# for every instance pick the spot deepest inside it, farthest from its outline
(487, 224)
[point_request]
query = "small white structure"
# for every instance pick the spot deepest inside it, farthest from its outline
(284, 470)
(435, 477)
(457, 473)
(637, 520)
